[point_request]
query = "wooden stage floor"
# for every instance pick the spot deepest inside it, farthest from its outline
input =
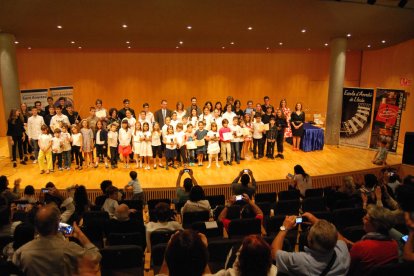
(330, 160)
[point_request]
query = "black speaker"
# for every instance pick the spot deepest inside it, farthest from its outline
(408, 153)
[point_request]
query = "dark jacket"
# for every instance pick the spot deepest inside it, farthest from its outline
(103, 135)
(15, 129)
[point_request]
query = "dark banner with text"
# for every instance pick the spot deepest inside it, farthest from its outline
(356, 116)
(387, 118)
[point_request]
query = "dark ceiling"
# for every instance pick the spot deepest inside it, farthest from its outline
(162, 24)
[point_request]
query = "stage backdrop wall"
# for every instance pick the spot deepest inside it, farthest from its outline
(298, 75)
(385, 68)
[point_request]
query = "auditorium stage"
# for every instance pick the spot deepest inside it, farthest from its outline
(330, 160)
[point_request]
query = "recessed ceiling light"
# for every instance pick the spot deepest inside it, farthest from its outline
(72, 42)
(326, 44)
(223, 47)
(348, 35)
(232, 43)
(16, 42)
(309, 49)
(79, 47)
(127, 42)
(267, 48)
(250, 28)
(176, 47)
(129, 47)
(303, 30)
(280, 43)
(383, 41)
(369, 45)
(29, 48)
(181, 42)
(189, 27)
(124, 26)
(59, 26)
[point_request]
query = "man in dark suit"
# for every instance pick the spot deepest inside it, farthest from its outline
(162, 113)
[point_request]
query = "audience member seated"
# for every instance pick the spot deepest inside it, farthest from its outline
(197, 201)
(183, 194)
(374, 193)
(249, 210)
(327, 253)
(253, 258)
(111, 203)
(47, 197)
(243, 187)
(81, 201)
(376, 248)
(301, 180)
(100, 200)
(186, 254)
(23, 233)
(29, 194)
(50, 253)
(348, 187)
(7, 196)
(392, 180)
(165, 221)
(121, 222)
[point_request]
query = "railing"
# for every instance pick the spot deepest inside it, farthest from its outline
(262, 187)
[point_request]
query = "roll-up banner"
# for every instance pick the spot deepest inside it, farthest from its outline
(357, 106)
(30, 96)
(387, 118)
(62, 92)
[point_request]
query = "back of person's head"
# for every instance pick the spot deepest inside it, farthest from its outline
(111, 190)
(255, 256)
(162, 212)
(3, 183)
(370, 181)
(122, 212)
(29, 190)
(188, 184)
(247, 212)
(349, 186)
(196, 193)
(23, 233)
(299, 170)
(105, 184)
(50, 185)
(80, 196)
(322, 236)
(245, 179)
(380, 218)
(133, 175)
(186, 254)
(405, 194)
(47, 220)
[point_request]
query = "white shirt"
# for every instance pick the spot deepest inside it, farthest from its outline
(145, 121)
(54, 122)
(34, 124)
(228, 116)
(256, 130)
(124, 137)
(66, 141)
(194, 121)
(206, 119)
(131, 123)
(57, 145)
(152, 226)
(303, 184)
(236, 129)
(218, 121)
(136, 136)
(44, 140)
(174, 123)
(76, 139)
(156, 138)
(211, 134)
(167, 141)
(98, 138)
(164, 130)
(110, 206)
(180, 137)
(146, 135)
(150, 117)
(101, 113)
(112, 139)
(180, 115)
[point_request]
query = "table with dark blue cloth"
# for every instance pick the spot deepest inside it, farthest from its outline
(312, 139)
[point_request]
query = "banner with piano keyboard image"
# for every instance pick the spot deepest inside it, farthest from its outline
(387, 118)
(356, 116)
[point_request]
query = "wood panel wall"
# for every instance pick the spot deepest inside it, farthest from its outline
(297, 75)
(384, 68)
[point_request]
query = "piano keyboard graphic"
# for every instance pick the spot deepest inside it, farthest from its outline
(357, 122)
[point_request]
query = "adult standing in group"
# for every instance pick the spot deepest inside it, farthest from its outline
(62, 103)
(49, 115)
(162, 113)
(148, 114)
(40, 111)
(286, 111)
(122, 111)
(229, 114)
(72, 115)
(230, 101)
(50, 103)
(101, 112)
(15, 132)
(181, 112)
(27, 149)
(238, 110)
(34, 125)
(267, 104)
(193, 106)
(297, 119)
(113, 117)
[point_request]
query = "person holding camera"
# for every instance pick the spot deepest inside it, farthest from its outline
(183, 193)
(326, 254)
(245, 177)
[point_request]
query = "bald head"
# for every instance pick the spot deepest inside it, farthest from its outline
(122, 212)
(47, 220)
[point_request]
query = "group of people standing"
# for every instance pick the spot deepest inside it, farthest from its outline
(186, 135)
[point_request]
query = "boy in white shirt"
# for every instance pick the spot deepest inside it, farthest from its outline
(57, 149)
(113, 144)
(236, 140)
(66, 148)
(180, 137)
(148, 114)
(34, 129)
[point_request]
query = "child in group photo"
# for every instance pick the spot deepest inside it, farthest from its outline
(87, 143)
(181, 151)
(77, 144)
(113, 144)
(101, 144)
(225, 138)
(124, 137)
(200, 134)
(146, 149)
(213, 149)
(57, 149)
(137, 138)
(45, 150)
(190, 144)
(156, 145)
(67, 148)
(170, 142)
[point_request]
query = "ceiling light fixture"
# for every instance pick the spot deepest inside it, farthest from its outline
(127, 42)
(124, 26)
(59, 26)
(267, 48)
(72, 42)
(383, 41)
(326, 44)
(223, 47)
(29, 48)
(232, 43)
(79, 47)
(189, 27)
(250, 28)
(181, 42)
(348, 35)
(176, 47)
(309, 49)
(129, 47)
(303, 30)
(280, 43)
(369, 45)
(16, 42)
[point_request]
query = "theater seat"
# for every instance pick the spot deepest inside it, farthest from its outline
(243, 227)
(191, 217)
(122, 260)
